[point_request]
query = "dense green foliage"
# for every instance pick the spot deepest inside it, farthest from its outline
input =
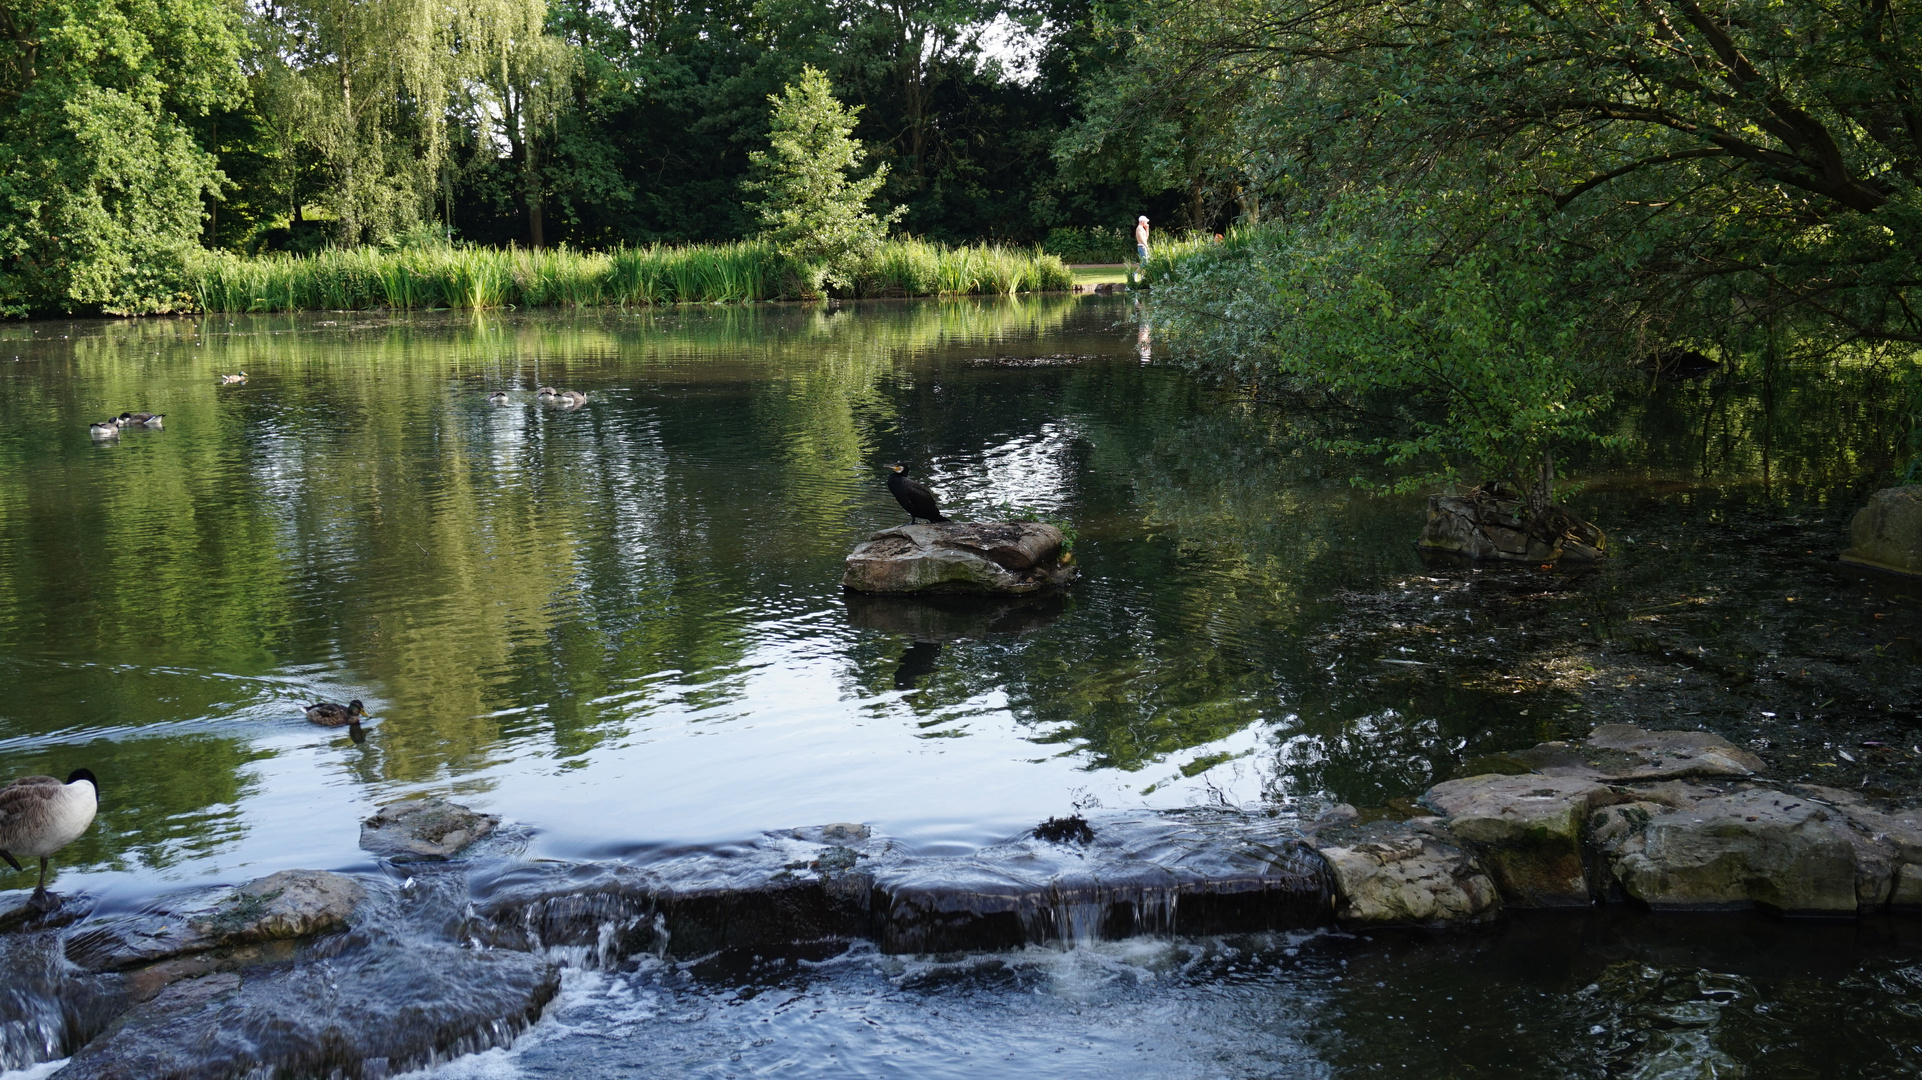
(101, 178)
(1574, 188)
(441, 276)
(812, 211)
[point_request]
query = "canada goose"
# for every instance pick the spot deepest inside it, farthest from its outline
(105, 429)
(547, 392)
(229, 379)
(40, 815)
(498, 397)
(140, 419)
(328, 714)
(915, 498)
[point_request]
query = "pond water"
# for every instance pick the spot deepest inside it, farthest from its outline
(621, 627)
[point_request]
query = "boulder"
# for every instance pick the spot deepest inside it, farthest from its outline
(1888, 847)
(1527, 832)
(1754, 847)
(990, 557)
(1887, 533)
(1623, 753)
(1492, 524)
(375, 1010)
(423, 829)
(289, 904)
(1403, 874)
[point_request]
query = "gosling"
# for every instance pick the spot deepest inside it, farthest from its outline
(498, 397)
(572, 399)
(547, 392)
(40, 815)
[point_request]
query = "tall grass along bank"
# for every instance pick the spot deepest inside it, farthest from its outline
(455, 277)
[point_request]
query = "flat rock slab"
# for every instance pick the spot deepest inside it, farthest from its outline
(378, 1009)
(423, 829)
(1406, 873)
(1527, 831)
(1754, 848)
(991, 557)
(289, 904)
(1887, 533)
(1622, 753)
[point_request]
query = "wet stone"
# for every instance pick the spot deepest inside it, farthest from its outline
(1887, 533)
(1751, 848)
(1622, 753)
(288, 904)
(371, 1011)
(989, 557)
(423, 829)
(1527, 831)
(1404, 873)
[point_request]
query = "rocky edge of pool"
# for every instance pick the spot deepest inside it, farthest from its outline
(457, 945)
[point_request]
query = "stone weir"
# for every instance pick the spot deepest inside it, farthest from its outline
(1191, 873)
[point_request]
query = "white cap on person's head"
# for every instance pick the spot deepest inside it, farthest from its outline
(1143, 217)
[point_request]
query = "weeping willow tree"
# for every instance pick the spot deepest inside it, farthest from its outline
(372, 87)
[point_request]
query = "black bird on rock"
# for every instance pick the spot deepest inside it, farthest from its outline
(915, 498)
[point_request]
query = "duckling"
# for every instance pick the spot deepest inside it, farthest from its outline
(498, 397)
(227, 380)
(140, 419)
(39, 815)
(547, 392)
(328, 714)
(573, 399)
(105, 429)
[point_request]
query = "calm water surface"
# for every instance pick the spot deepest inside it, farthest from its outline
(621, 627)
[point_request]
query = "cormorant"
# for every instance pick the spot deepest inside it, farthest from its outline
(39, 815)
(915, 498)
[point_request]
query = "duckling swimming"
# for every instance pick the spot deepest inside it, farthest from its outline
(39, 815)
(328, 714)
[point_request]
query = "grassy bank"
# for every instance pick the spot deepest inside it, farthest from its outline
(479, 278)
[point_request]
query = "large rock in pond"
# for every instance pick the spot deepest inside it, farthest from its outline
(423, 829)
(988, 557)
(1527, 831)
(1887, 533)
(1491, 524)
(1390, 873)
(289, 904)
(1755, 847)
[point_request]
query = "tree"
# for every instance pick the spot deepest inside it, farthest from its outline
(816, 216)
(101, 182)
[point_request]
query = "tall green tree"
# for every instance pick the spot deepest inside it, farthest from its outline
(101, 181)
(816, 215)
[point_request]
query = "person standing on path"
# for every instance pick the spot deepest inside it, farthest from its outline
(1141, 239)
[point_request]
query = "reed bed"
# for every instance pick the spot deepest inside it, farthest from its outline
(477, 278)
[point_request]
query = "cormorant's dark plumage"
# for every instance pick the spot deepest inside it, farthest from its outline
(915, 498)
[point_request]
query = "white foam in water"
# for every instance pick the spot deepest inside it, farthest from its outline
(35, 1072)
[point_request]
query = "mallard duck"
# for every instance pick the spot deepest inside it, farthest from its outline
(915, 498)
(39, 815)
(547, 392)
(228, 379)
(105, 429)
(328, 714)
(498, 397)
(140, 419)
